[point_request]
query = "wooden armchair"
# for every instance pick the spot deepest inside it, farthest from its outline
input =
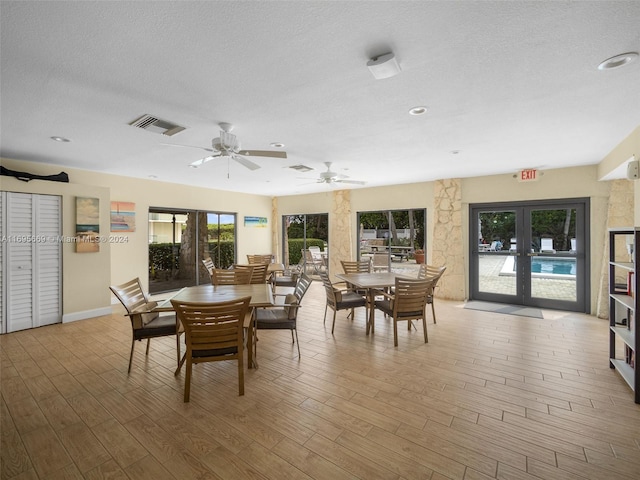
(145, 323)
(213, 333)
(432, 273)
(407, 303)
(340, 299)
(284, 316)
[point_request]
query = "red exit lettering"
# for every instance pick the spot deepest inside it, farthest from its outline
(528, 175)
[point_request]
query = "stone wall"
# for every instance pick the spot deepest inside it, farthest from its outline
(448, 245)
(340, 241)
(620, 213)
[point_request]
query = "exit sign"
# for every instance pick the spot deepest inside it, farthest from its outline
(528, 175)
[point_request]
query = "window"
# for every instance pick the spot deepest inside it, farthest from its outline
(180, 239)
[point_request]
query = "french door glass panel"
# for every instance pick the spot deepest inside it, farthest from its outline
(496, 238)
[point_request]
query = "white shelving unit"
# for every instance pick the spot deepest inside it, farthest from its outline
(624, 342)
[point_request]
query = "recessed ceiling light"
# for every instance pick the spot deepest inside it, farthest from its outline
(277, 145)
(418, 111)
(153, 176)
(618, 61)
(455, 152)
(60, 139)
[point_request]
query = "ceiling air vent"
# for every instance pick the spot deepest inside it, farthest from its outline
(301, 168)
(153, 124)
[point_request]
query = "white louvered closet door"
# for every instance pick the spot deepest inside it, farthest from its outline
(33, 259)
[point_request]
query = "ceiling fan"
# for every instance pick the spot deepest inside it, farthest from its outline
(333, 177)
(228, 146)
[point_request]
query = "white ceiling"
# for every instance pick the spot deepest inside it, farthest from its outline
(509, 85)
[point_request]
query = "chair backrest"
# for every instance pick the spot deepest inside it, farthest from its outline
(252, 259)
(546, 244)
(380, 261)
(431, 272)
(134, 298)
(358, 266)
(329, 289)
(232, 276)
(410, 296)
(209, 265)
(212, 329)
(258, 272)
(302, 286)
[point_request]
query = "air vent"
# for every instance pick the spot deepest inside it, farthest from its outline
(301, 168)
(153, 124)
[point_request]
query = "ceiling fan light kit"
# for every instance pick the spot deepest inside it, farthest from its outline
(384, 66)
(228, 146)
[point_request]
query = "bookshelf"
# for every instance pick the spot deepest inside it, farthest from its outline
(624, 342)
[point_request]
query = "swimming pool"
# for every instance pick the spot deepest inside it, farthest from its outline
(553, 266)
(544, 267)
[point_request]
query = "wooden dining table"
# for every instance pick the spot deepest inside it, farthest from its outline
(260, 293)
(371, 282)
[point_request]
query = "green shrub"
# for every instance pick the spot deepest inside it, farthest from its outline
(297, 244)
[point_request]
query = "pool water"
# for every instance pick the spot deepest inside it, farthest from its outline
(553, 266)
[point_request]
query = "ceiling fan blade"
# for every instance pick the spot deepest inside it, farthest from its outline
(263, 153)
(202, 161)
(245, 162)
(353, 182)
(187, 146)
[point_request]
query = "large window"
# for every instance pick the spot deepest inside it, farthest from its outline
(397, 234)
(180, 239)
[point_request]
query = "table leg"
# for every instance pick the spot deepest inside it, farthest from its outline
(372, 303)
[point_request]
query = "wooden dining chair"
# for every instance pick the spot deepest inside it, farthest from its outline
(284, 316)
(432, 273)
(340, 299)
(231, 276)
(213, 333)
(145, 324)
(407, 303)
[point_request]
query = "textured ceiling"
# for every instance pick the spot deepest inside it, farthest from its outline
(509, 85)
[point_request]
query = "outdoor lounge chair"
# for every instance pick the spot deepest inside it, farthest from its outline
(546, 245)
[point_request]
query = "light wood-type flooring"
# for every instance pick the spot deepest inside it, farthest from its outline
(490, 396)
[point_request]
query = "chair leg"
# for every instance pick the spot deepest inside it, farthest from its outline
(326, 307)
(433, 310)
(133, 344)
(240, 372)
(178, 349)
(333, 325)
(395, 332)
(148, 343)
(297, 341)
(424, 325)
(187, 381)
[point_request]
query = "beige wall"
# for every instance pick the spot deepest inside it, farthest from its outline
(87, 292)
(85, 282)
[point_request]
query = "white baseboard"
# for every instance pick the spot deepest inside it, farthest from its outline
(75, 316)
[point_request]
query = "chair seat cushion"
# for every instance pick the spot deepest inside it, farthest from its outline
(387, 307)
(218, 352)
(158, 327)
(351, 300)
(273, 318)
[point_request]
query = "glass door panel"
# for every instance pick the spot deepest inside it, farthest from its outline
(495, 260)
